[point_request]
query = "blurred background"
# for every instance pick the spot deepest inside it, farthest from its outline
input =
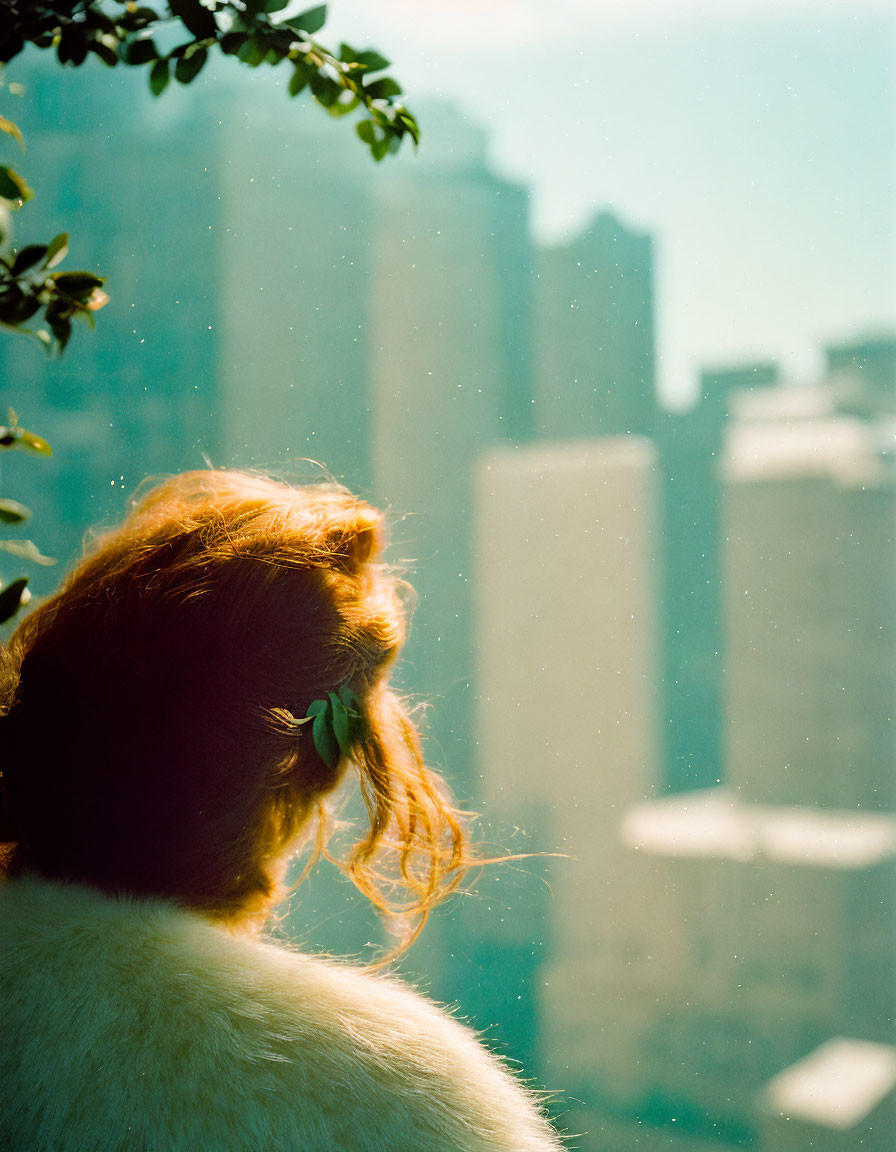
(617, 350)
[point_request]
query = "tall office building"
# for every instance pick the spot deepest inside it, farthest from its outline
(690, 446)
(448, 377)
(567, 730)
(594, 334)
(293, 268)
(869, 363)
(810, 499)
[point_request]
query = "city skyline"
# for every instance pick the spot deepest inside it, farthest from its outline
(756, 147)
(755, 142)
(599, 622)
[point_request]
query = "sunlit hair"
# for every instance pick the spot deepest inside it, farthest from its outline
(149, 744)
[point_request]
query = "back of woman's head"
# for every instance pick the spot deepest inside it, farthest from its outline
(150, 742)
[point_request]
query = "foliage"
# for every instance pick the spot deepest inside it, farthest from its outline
(15, 594)
(123, 32)
(337, 724)
(28, 285)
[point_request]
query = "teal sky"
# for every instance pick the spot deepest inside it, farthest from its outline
(755, 141)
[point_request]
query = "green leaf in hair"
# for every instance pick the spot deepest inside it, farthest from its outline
(337, 723)
(340, 723)
(322, 733)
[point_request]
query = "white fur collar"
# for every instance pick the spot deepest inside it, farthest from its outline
(134, 1024)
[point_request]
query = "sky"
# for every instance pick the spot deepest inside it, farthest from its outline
(754, 141)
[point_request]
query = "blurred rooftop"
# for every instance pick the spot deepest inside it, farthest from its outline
(715, 823)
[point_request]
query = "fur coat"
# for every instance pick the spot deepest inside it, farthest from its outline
(137, 1025)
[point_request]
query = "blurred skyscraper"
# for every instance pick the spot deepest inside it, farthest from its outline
(449, 376)
(293, 260)
(594, 334)
(690, 445)
(568, 740)
(870, 362)
(810, 602)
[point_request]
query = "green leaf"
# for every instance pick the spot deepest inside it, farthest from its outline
(94, 18)
(61, 327)
(346, 102)
(189, 67)
(141, 51)
(300, 78)
(77, 284)
(12, 186)
(107, 54)
(315, 708)
(25, 550)
(275, 5)
(372, 61)
(27, 257)
(349, 699)
(17, 305)
(57, 250)
(231, 42)
(382, 89)
(341, 727)
(25, 308)
(10, 300)
(159, 77)
(252, 52)
(12, 512)
(366, 131)
(11, 129)
(72, 46)
(194, 17)
(140, 18)
(410, 124)
(380, 148)
(12, 598)
(310, 22)
(324, 738)
(58, 318)
(326, 90)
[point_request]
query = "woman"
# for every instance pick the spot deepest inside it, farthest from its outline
(175, 718)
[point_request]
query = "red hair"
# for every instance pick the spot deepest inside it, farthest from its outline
(148, 741)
